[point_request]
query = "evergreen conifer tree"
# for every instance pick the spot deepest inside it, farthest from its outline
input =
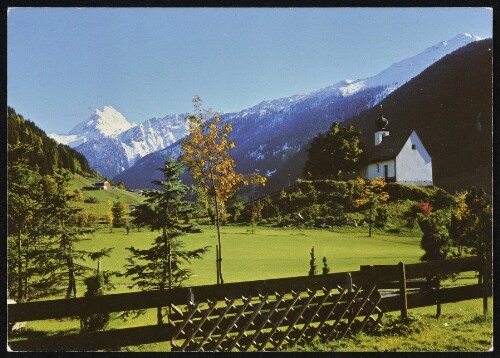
(58, 220)
(160, 267)
(22, 204)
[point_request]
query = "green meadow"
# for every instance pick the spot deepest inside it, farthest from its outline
(284, 252)
(266, 253)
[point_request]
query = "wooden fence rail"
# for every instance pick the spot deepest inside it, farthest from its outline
(186, 297)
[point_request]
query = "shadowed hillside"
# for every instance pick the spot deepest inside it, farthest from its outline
(450, 107)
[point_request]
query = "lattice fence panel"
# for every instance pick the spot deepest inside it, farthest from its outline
(273, 321)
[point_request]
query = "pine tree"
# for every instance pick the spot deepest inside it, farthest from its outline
(160, 267)
(118, 211)
(22, 204)
(312, 263)
(59, 219)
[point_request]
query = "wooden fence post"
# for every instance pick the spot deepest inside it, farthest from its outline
(402, 290)
(190, 297)
(348, 282)
(485, 283)
(438, 305)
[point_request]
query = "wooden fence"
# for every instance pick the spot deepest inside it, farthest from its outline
(259, 315)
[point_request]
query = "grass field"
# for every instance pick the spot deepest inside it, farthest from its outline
(267, 253)
(275, 252)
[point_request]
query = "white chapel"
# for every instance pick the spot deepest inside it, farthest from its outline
(400, 158)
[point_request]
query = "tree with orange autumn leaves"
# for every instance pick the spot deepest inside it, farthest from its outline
(205, 150)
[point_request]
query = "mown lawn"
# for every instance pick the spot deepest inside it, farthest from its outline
(276, 252)
(267, 253)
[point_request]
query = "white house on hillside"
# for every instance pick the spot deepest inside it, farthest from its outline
(400, 158)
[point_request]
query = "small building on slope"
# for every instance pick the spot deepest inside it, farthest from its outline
(103, 185)
(400, 158)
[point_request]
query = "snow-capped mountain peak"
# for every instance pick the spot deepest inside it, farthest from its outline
(106, 123)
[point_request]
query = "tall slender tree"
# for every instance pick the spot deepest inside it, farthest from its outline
(160, 267)
(206, 152)
(21, 207)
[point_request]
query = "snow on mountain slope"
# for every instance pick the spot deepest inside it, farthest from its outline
(111, 144)
(270, 133)
(391, 78)
(403, 71)
(260, 131)
(152, 135)
(106, 123)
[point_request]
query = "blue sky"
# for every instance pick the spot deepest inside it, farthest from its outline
(62, 64)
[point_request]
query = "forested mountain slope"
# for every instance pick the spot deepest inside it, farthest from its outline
(46, 154)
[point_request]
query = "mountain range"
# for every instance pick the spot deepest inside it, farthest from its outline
(269, 136)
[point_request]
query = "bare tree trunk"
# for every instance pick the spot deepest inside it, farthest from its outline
(217, 224)
(370, 222)
(26, 267)
(71, 278)
(19, 268)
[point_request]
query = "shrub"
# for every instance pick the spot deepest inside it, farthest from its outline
(312, 212)
(424, 207)
(381, 217)
(92, 219)
(336, 209)
(91, 200)
(442, 199)
(96, 286)
(77, 195)
(82, 219)
(399, 191)
(435, 239)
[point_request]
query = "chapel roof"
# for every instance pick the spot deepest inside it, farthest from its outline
(390, 147)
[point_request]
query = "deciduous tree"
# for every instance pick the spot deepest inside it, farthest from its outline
(334, 152)
(369, 195)
(471, 222)
(206, 151)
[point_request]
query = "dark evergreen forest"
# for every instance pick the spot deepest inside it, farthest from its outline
(46, 155)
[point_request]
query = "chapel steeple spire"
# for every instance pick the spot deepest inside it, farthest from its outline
(381, 121)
